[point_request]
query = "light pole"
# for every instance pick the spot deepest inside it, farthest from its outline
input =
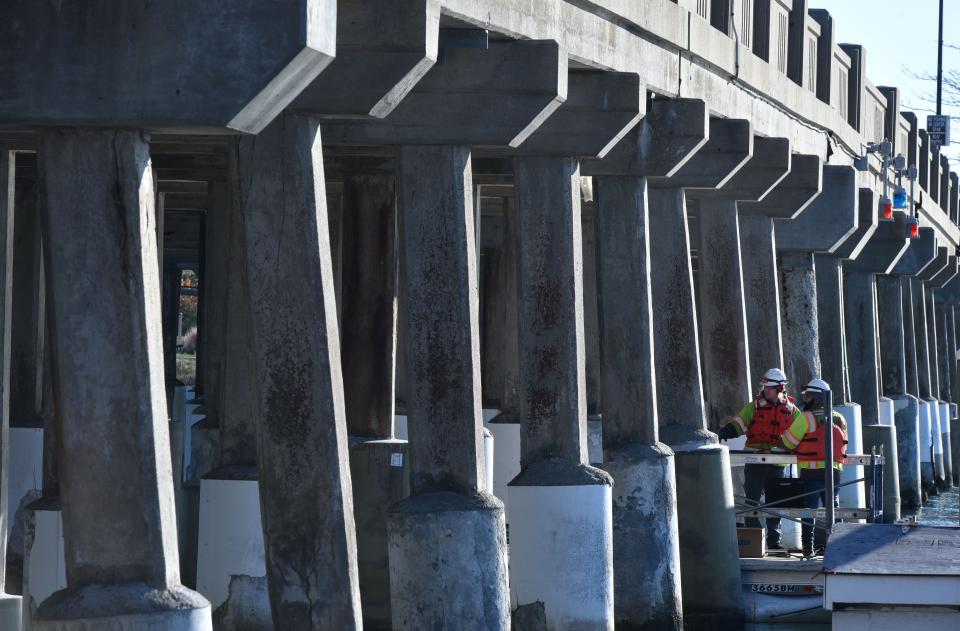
(940, 64)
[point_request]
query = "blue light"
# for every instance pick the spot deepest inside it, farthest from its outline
(900, 198)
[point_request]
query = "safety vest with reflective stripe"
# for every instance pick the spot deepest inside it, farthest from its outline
(767, 421)
(807, 437)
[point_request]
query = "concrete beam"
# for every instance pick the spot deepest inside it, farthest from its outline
(936, 266)
(884, 248)
(728, 148)
(231, 64)
(828, 221)
(793, 193)
(667, 137)
(950, 292)
(921, 253)
(600, 109)
(945, 275)
(868, 219)
(383, 49)
(766, 168)
(498, 96)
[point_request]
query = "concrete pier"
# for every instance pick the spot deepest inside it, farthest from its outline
(556, 488)
(311, 563)
(708, 556)
(947, 386)
(121, 555)
(10, 606)
(443, 365)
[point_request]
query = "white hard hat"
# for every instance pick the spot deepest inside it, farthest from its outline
(773, 377)
(816, 386)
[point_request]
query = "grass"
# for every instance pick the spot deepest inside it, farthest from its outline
(186, 368)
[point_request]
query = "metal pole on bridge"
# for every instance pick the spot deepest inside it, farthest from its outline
(828, 459)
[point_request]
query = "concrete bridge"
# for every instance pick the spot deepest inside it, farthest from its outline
(479, 281)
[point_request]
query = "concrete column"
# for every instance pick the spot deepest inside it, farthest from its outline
(762, 285)
(9, 605)
(709, 565)
(834, 367)
(946, 391)
(927, 403)
(723, 318)
(447, 513)
(305, 490)
(893, 363)
(936, 414)
(368, 334)
(952, 367)
(121, 552)
(505, 426)
(861, 326)
(559, 503)
(646, 552)
(801, 335)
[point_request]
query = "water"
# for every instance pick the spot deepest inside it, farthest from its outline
(941, 510)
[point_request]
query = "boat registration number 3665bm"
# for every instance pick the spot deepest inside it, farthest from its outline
(786, 588)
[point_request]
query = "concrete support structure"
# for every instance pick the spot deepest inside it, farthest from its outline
(443, 365)
(302, 441)
(10, 606)
(708, 557)
(944, 321)
(880, 254)
(898, 370)
(121, 555)
(646, 553)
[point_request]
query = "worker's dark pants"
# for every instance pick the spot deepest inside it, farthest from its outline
(814, 481)
(754, 477)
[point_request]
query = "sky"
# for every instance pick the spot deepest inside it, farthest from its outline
(900, 37)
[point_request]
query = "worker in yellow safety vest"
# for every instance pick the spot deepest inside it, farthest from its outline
(764, 420)
(807, 438)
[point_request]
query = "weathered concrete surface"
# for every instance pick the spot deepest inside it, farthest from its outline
(272, 56)
(302, 440)
(368, 299)
(660, 144)
(134, 606)
(646, 543)
(646, 553)
(439, 580)
(801, 335)
(236, 64)
(893, 371)
(793, 193)
(496, 96)
(471, 592)
(243, 610)
(883, 438)
(600, 108)
(761, 289)
(728, 148)
(383, 49)
(552, 355)
(921, 253)
(98, 188)
(380, 475)
(9, 605)
(944, 322)
(832, 329)
(828, 220)
(881, 252)
(862, 350)
(867, 222)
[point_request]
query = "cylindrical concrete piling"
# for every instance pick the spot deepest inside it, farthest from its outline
(907, 422)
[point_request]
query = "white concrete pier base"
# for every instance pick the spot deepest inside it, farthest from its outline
(936, 438)
(925, 445)
(853, 496)
(506, 458)
(230, 537)
(44, 567)
(945, 446)
(489, 455)
(561, 553)
(10, 608)
(885, 411)
(400, 430)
